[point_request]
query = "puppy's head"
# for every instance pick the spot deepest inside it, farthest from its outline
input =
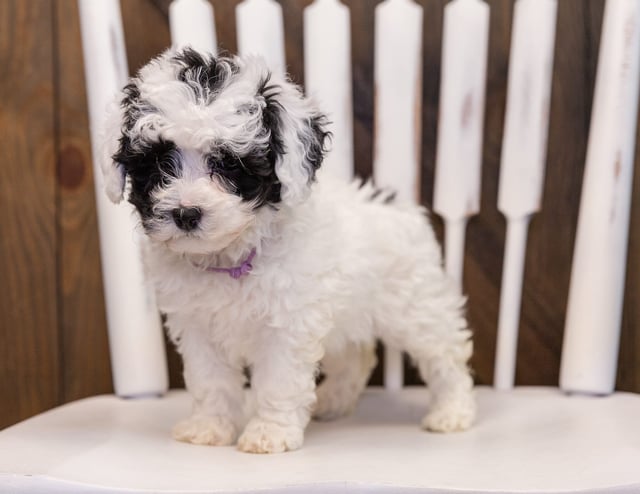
(206, 142)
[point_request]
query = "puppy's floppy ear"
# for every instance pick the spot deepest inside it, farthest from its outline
(113, 173)
(298, 137)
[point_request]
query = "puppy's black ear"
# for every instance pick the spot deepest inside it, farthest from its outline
(299, 137)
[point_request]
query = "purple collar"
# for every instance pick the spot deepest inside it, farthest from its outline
(236, 272)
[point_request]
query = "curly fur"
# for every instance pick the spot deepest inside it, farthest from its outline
(337, 265)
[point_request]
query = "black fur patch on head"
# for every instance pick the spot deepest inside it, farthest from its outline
(148, 167)
(129, 102)
(271, 116)
(133, 105)
(314, 138)
(205, 75)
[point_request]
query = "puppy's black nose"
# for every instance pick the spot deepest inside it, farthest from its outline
(187, 219)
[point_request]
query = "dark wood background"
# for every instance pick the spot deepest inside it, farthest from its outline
(53, 342)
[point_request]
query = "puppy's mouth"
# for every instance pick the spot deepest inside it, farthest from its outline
(190, 244)
(196, 243)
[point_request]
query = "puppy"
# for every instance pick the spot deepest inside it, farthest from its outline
(257, 264)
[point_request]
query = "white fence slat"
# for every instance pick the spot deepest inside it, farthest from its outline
(327, 74)
(136, 342)
(594, 313)
(524, 148)
(398, 109)
(192, 23)
(459, 155)
(398, 104)
(261, 32)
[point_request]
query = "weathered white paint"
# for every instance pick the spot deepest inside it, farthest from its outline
(327, 76)
(260, 31)
(459, 155)
(594, 313)
(192, 24)
(398, 114)
(524, 149)
(136, 342)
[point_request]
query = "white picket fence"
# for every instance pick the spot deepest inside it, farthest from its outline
(595, 302)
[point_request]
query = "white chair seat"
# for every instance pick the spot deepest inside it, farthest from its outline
(526, 440)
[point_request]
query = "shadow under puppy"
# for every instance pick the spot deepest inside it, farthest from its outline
(256, 263)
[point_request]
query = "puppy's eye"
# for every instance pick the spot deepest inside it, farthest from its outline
(229, 164)
(223, 164)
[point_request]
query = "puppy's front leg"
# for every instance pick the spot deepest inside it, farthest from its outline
(283, 380)
(216, 386)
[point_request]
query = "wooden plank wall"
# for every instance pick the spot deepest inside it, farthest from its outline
(53, 344)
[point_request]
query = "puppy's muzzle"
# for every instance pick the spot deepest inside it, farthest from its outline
(187, 219)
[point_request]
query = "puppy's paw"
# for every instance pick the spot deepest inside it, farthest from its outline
(202, 429)
(451, 415)
(333, 403)
(261, 436)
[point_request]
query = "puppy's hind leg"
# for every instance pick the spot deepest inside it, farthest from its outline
(346, 374)
(444, 367)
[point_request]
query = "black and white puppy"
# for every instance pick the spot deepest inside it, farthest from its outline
(257, 264)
